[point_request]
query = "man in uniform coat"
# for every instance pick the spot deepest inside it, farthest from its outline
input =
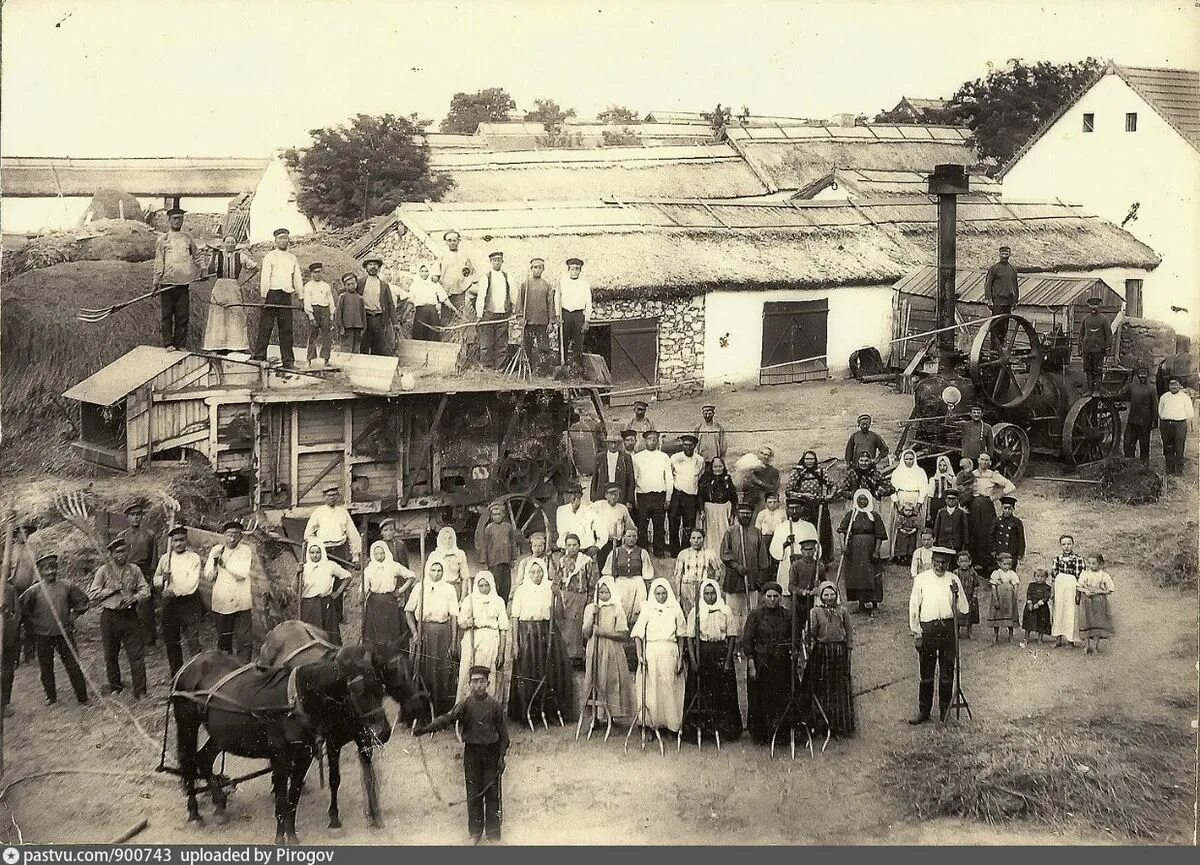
(1008, 535)
(1095, 339)
(1001, 293)
(614, 465)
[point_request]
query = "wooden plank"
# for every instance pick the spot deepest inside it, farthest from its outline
(347, 453)
(341, 454)
(424, 451)
(438, 357)
(293, 453)
(256, 479)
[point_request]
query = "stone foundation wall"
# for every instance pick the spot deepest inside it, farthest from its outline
(680, 338)
(401, 253)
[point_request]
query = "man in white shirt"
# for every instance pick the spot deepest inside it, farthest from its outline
(686, 468)
(332, 526)
(936, 594)
(574, 518)
(654, 482)
(787, 538)
(610, 519)
(229, 566)
(1175, 409)
(280, 281)
(318, 308)
(573, 303)
(456, 272)
(176, 267)
(493, 306)
(177, 577)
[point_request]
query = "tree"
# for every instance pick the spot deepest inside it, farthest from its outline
(618, 115)
(1005, 108)
(548, 113)
(365, 169)
(560, 138)
(468, 110)
(623, 137)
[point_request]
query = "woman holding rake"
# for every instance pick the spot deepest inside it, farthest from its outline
(542, 680)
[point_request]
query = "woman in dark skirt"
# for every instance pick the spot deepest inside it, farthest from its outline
(828, 670)
(710, 700)
(988, 486)
(385, 582)
(575, 585)
(542, 681)
(863, 534)
(321, 585)
(816, 491)
(770, 670)
(432, 613)
(1035, 619)
(942, 481)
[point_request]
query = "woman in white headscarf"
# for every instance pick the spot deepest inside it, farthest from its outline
(432, 612)
(863, 534)
(660, 636)
(427, 298)
(541, 675)
(711, 697)
(606, 679)
(321, 585)
(455, 571)
(384, 582)
(942, 481)
(909, 480)
(483, 620)
(537, 553)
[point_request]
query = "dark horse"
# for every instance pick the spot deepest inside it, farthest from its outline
(294, 644)
(273, 714)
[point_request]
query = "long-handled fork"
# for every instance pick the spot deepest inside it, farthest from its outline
(93, 315)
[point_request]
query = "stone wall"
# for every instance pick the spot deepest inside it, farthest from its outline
(1145, 342)
(401, 253)
(680, 338)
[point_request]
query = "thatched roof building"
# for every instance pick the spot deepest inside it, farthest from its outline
(859, 183)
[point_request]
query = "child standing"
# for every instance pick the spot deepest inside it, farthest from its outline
(770, 516)
(1002, 610)
(1036, 617)
(1065, 571)
(318, 308)
(908, 524)
(1095, 618)
(351, 315)
(501, 547)
(968, 576)
(922, 557)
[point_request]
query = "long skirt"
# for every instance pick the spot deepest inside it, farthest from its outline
(607, 681)
(481, 647)
(322, 612)
(1002, 611)
(768, 696)
(1036, 621)
(659, 689)
(739, 609)
(864, 577)
(716, 524)
(225, 329)
(982, 519)
(542, 684)
(1064, 624)
(435, 668)
(382, 631)
(710, 695)
(573, 603)
(828, 679)
(1095, 620)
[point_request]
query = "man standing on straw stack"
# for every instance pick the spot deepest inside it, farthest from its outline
(280, 280)
(536, 307)
(573, 303)
(176, 267)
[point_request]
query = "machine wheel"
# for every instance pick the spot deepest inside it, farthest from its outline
(525, 512)
(1091, 431)
(1010, 444)
(1006, 375)
(513, 474)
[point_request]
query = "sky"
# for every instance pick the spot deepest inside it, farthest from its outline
(219, 78)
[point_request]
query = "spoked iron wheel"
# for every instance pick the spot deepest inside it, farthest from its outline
(1006, 359)
(1010, 446)
(1091, 431)
(524, 511)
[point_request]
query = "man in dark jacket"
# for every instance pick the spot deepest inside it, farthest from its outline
(613, 466)
(1008, 535)
(1000, 292)
(1095, 339)
(952, 526)
(380, 308)
(1143, 413)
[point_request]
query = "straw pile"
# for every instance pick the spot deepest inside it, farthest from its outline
(104, 239)
(1128, 481)
(1122, 775)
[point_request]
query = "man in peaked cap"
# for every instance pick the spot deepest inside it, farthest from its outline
(48, 609)
(1142, 398)
(1095, 340)
(573, 303)
(176, 267)
(494, 304)
(710, 434)
(937, 596)
(613, 466)
(229, 566)
(177, 578)
(865, 439)
(142, 548)
(281, 284)
(331, 525)
(1001, 293)
(976, 434)
(118, 586)
(318, 309)
(686, 468)
(535, 307)
(640, 422)
(1008, 535)
(380, 307)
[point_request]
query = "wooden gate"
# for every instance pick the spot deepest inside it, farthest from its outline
(795, 340)
(632, 354)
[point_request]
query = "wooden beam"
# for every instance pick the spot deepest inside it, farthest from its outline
(423, 454)
(293, 453)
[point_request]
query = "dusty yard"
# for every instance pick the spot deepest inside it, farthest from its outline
(560, 791)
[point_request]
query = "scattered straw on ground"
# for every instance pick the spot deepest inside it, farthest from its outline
(1125, 776)
(1128, 481)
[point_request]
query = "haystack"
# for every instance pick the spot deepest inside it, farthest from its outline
(113, 204)
(102, 240)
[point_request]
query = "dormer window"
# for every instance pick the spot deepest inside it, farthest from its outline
(1089, 122)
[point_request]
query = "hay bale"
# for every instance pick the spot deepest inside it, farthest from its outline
(113, 204)
(1145, 342)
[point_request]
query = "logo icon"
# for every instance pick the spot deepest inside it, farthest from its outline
(12, 855)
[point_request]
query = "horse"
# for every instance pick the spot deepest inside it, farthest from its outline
(294, 644)
(275, 714)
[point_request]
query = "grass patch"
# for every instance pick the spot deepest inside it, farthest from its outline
(1124, 776)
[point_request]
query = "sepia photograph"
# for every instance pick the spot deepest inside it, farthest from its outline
(613, 423)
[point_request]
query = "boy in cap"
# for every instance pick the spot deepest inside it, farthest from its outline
(318, 308)
(493, 304)
(176, 267)
(484, 733)
(117, 588)
(1008, 535)
(48, 611)
(500, 547)
(613, 466)
(710, 435)
(640, 423)
(686, 468)
(806, 573)
(229, 566)
(573, 304)
(142, 548)
(177, 578)
(1095, 339)
(351, 316)
(864, 439)
(380, 306)
(281, 282)
(535, 306)
(952, 525)
(976, 435)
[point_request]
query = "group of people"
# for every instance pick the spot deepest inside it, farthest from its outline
(366, 313)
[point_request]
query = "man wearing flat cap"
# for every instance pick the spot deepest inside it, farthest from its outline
(640, 423)
(281, 284)
(1001, 293)
(177, 579)
(976, 435)
(117, 588)
(229, 567)
(494, 304)
(655, 483)
(176, 267)
(48, 611)
(1095, 339)
(331, 525)
(710, 435)
(936, 596)
(864, 439)
(613, 466)
(686, 468)
(1008, 535)
(318, 309)
(535, 306)
(379, 304)
(1142, 397)
(573, 304)
(142, 549)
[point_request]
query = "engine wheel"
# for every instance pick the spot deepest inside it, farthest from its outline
(1091, 431)
(1006, 359)
(1010, 445)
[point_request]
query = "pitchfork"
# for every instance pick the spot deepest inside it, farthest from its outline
(94, 315)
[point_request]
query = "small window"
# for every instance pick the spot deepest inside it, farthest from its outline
(1133, 298)
(1089, 122)
(1131, 121)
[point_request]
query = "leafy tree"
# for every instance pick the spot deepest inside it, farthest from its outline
(548, 113)
(560, 138)
(618, 115)
(1007, 106)
(468, 110)
(623, 137)
(365, 169)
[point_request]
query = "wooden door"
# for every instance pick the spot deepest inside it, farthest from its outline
(795, 340)
(633, 358)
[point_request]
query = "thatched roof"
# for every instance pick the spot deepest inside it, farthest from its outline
(881, 183)
(796, 157)
(703, 171)
(522, 135)
(36, 176)
(657, 248)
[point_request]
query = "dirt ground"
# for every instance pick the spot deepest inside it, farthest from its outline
(559, 791)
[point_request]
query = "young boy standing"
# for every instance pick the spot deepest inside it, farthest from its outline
(351, 314)
(318, 308)
(501, 547)
(770, 516)
(535, 305)
(485, 743)
(922, 557)
(805, 574)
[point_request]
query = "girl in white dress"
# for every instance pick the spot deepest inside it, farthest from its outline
(659, 636)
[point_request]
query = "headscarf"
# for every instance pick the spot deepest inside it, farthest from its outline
(836, 598)
(869, 510)
(711, 628)
(613, 598)
(943, 469)
(659, 620)
(908, 479)
(582, 560)
(382, 573)
(447, 550)
(486, 610)
(422, 284)
(447, 541)
(319, 573)
(533, 601)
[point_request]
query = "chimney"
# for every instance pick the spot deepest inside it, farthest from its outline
(947, 182)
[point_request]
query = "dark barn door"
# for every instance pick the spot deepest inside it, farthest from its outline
(630, 347)
(792, 332)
